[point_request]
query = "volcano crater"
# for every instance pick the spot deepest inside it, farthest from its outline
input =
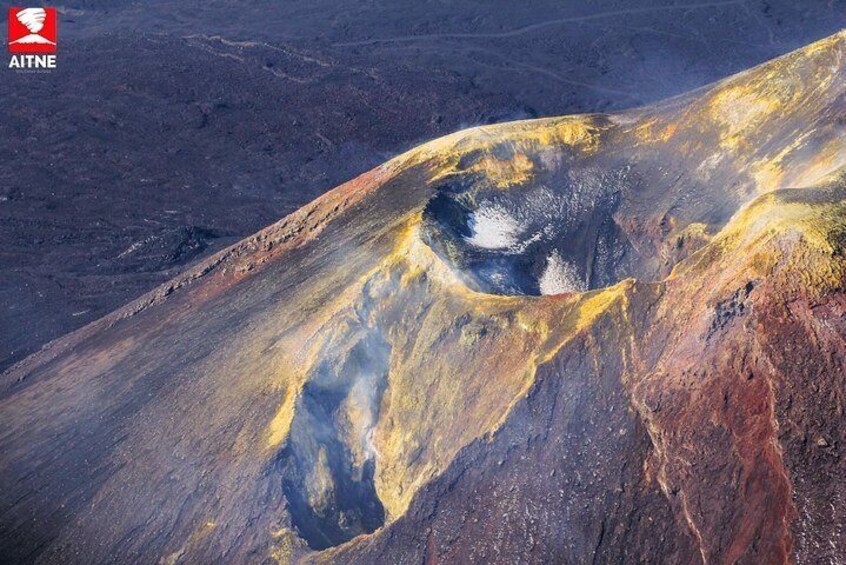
(563, 232)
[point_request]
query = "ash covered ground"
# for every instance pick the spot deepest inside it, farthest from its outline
(172, 129)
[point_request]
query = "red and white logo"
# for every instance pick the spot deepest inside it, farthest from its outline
(32, 30)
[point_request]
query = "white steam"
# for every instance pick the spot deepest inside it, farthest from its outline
(363, 411)
(560, 276)
(493, 228)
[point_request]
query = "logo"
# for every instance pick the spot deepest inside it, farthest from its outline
(32, 30)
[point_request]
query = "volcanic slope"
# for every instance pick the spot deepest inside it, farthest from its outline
(616, 338)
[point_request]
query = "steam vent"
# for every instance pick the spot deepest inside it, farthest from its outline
(597, 338)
